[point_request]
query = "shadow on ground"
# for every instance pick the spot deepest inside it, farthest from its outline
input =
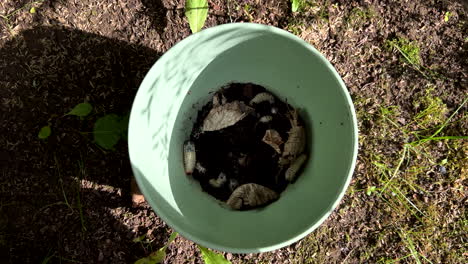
(65, 198)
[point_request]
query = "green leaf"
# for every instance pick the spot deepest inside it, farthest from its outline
(32, 10)
(447, 16)
(196, 12)
(107, 131)
(172, 238)
(154, 258)
(370, 190)
(44, 132)
(158, 256)
(211, 257)
(295, 5)
(81, 110)
(139, 239)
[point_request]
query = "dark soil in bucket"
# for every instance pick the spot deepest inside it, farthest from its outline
(238, 154)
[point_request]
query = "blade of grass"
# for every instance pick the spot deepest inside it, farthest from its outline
(433, 136)
(411, 247)
(450, 118)
(395, 172)
(61, 183)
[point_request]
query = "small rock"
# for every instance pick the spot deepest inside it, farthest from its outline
(442, 170)
(137, 196)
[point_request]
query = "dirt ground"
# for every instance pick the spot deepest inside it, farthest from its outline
(65, 200)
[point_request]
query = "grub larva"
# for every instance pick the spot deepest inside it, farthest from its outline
(220, 181)
(265, 119)
(296, 141)
(262, 97)
(251, 195)
(200, 168)
(190, 157)
(291, 172)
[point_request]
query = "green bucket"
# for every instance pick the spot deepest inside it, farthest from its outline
(180, 83)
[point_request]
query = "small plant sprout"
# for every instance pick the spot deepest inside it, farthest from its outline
(370, 190)
(411, 54)
(447, 16)
(81, 110)
(407, 48)
(296, 5)
(44, 132)
(196, 12)
(157, 256)
(210, 257)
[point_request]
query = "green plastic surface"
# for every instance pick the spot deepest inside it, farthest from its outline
(178, 85)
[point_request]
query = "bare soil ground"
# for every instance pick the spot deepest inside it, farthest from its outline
(65, 200)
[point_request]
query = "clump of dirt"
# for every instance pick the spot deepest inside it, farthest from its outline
(245, 139)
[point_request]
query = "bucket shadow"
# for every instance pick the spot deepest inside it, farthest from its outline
(65, 197)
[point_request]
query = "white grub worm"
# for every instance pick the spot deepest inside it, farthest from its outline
(262, 97)
(296, 141)
(200, 168)
(220, 181)
(190, 157)
(291, 172)
(251, 195)
(265, 119)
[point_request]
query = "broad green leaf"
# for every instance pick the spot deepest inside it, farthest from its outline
(107, 131)
(158, 256)
(81, 110)
(196, 12)
(295, 5)
(211, 257)
(44, 132)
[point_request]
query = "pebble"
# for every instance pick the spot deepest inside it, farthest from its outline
(442, 170)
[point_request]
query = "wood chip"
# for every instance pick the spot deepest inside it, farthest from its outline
(273, 138)
(137, 196)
